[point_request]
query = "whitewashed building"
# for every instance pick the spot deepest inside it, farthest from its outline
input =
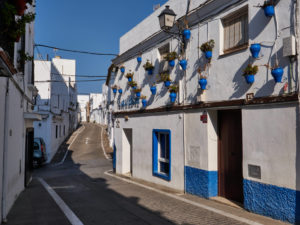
(233, 140)
(83, 102)
(17, 94)
(95, 107)
(56, 102)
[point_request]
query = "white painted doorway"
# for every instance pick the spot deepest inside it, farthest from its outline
(127, 151)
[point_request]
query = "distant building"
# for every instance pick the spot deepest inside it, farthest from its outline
(56, 102)
(95, 104)
(83, 100)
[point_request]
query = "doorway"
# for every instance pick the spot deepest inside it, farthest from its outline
(127, 151)
(28, 155)
(230, 155)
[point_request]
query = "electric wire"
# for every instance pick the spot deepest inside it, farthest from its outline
(76, 51)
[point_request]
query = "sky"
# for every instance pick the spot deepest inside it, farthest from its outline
(90, 25)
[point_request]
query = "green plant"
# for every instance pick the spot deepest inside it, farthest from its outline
(132, 83)
(208, 46)
(171, 56)
(268, 3)
(129, 75)
(148, 65)
(174, 88)
(143, 97)
(165, 77)
(137, 90)
(114, 86)
(203, 77)
(23, 58)
(250, 70)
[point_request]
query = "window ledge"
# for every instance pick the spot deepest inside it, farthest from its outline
(163, 176)
(234, 50)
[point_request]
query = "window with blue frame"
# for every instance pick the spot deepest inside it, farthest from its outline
(162, 154)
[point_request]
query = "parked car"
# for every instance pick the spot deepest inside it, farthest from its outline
(39, 151)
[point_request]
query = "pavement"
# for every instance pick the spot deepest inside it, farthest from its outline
(79, 188)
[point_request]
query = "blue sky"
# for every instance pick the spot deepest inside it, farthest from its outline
(90, 25)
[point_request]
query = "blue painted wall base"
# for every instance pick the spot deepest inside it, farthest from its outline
(269, 200)
(201, 182)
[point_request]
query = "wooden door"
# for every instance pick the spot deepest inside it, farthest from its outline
(230, 155)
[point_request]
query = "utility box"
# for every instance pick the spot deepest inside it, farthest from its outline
(289, 46)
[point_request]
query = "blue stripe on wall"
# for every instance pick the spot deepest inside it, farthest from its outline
(201, 182)
(269, 200)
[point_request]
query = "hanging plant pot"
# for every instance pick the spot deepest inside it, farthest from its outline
(129, 79)
(172, 63)
(139, 59)
(183, 64)
(150, 71)
(114, 90)
(277, 74)
(187, 34)
(202, 82)
(138, 94)
(133, 87)
(167, 83)
(153, 90)
(250, 78)
(144, 102)
(122, 69)
(269, 10)
(255, 49)
(20, 6)
(120, 91)
(208, 54)
(173, 96)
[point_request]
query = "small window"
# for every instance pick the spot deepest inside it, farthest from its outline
(163, 51)
(56, 131)
(235, 28)
(162, 153)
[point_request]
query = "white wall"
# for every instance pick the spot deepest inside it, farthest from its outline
(83, 100)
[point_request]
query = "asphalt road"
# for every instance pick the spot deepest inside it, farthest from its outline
(96, 198)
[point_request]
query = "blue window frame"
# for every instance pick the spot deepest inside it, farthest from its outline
(161, 141)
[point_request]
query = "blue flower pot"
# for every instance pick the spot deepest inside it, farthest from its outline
(277, 74)
(167, 83)
(120, 91)
(144, 102)
(114, 90)
(249, 78)
(150, 72)
(122, 69)
(129, 79)
(183, 64)
(173, 96)
(138, 94)
(187, 34)
(202, 82)
(269, 11)
(133, 87)
(139, 59)
(153, 90)
(172, 63)
(255, 49)
(208, 54)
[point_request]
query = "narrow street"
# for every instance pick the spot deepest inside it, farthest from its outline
(97, 198)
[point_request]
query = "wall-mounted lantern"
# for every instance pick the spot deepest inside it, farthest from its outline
(167, 18)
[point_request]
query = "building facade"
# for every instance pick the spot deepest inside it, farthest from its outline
(56, 102)
(233, 139)
(83, 101)
(17, 98)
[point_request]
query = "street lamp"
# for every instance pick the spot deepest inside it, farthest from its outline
(167, 18)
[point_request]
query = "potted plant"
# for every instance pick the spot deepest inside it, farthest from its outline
(120, 91)
(203, 82)
(268, 7)
(186, 32)
(277, 73)
(22, 59)
(153, 89)
(207, 48)
(139, 58)
(114, 88)
(132, 84)
(255, 49)
(249, 73)
(148, 66)
(144, 101)
(173, 89)
(183, 64)
(129, 76)
(165, 77)
(170, 57)
(122, 69)
(138, 92)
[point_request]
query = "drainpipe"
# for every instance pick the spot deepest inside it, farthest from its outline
(5, 146)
